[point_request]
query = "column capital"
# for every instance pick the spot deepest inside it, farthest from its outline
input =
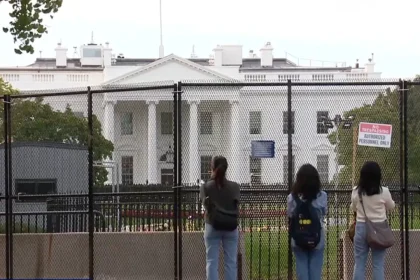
(234, 101)
(194, 101)
(148, 102)
(108, 101)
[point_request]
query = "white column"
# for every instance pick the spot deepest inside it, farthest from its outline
(151, 143)
(108, 123)
(108, 105)
(194, 162)
(235, 138)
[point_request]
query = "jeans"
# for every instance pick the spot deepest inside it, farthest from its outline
(361, 251)
(309, 263)
(212, 240)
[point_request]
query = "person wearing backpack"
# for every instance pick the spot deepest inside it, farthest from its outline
(306, 208)
(371, 202)
(220, 198)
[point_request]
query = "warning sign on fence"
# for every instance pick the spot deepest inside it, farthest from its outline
(375, 135)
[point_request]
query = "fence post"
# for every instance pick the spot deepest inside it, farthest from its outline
(405, 179)
(402, 198)
(289, 172)
(8, 186)
(179, 177)
(90, 179)
(175, 179)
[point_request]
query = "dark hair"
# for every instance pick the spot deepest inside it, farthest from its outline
(370, 179)
(307, 182)
(219, 166)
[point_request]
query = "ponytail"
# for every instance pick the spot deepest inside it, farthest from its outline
(219, 165)
(220, 174)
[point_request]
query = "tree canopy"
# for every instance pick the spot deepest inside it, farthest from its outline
(36, 121)
(385, 110)
(27, 21)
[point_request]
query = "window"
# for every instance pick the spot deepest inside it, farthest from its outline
(167, 176)
(286, 169)
(127, 123)
(127, 170)
(320, 117)
(205, 167)
(35, 186)
(166, 123)
(206, 123)
(285, 122)
(255, 170)
(322, 164)
(92, 53)
(254, 122)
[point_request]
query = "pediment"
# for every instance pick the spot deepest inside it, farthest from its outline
(171, 67)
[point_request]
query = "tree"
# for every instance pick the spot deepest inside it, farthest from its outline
(35, 121)
(27, 22)
(386, 110)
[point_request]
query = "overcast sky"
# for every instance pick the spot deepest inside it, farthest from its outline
(330, 30)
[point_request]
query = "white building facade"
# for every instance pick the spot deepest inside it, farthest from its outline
(215, 120)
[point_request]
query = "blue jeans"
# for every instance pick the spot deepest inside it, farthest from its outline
(309, 263)
(361, 252)
(212, 240)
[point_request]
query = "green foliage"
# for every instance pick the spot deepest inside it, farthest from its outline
(386, 110)
(35, 121)
(26, 23)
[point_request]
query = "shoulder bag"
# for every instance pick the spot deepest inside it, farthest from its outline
(379, 235)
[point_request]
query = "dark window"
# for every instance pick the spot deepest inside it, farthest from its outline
(285, 122)
(92, 53)
(286, 169)
(127, 123)
(321, 116)
(35, 187)
(127, 170)
(206, 123)
(254, 122)
(166, 123)
(255, 170)
(322, 164)
(167, 176)
(205, 167)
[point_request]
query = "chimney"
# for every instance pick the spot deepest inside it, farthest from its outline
(267, 55)
(218, 56)
(370, 66)
(107, 55)
(60, 56)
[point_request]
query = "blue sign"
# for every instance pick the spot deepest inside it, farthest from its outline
(262, 149)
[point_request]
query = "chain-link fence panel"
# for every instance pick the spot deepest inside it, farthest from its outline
(247, 124)
(49, 133)
(338, 127)
(412, 126)
(133, 153)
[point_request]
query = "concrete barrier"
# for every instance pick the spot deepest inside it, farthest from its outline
(122, 256)
(392, 260)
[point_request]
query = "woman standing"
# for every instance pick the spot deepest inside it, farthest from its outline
(377, 201)
(220, 198)
(306, 208)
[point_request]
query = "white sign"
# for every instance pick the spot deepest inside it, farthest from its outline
(375, 135)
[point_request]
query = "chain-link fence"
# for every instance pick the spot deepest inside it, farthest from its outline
(103, 182)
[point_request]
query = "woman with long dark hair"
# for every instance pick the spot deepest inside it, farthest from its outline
(220, 198)
(377, 200)
(306, 208)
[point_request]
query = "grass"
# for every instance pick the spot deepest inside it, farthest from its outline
(266, 255)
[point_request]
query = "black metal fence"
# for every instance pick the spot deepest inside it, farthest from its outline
(58, 157)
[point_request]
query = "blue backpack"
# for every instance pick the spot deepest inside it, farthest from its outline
(305, 224)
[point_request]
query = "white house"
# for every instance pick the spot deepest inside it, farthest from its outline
(215, 120)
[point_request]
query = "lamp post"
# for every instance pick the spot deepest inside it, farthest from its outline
(345, 123)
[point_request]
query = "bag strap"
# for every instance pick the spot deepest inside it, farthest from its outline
(363, 206)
